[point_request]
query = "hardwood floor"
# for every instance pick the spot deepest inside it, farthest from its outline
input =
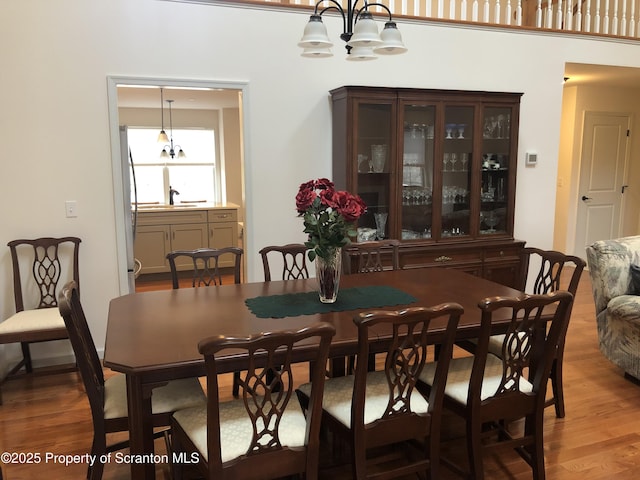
(599, 439)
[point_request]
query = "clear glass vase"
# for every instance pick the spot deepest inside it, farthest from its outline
(328, 272)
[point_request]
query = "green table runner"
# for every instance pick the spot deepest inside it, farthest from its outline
(308, 303)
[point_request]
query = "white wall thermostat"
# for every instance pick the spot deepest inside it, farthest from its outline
(531, 159)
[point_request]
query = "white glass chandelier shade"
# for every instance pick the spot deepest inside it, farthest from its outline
(391, 41)
(315, 34)
(163, 137)
(365, 32)
(361, 54)
(317, 52)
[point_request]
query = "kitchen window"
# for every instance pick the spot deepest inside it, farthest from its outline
(194, 177)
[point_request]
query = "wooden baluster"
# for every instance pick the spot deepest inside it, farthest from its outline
(605, 20)
(452, 10)
(568, 16)
(596, 18)
(429, 7)
(549, 19)
(507, 13)
(587, 17)
(463, 10)
(539, 14)
(485, 12)
(519, 13)
(440, 8)
(496, 13)
(623, 19)
(578, 22)
(632, 19)
(559, 16)
(474, 11)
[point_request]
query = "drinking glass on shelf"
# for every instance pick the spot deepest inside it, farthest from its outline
(464, 158)
(453, 158)
(449, 127)
(461, 130)
(492, 220)
(445, 160)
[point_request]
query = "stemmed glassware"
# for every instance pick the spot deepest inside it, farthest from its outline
(453, 158)
(445, 160)
(464, 158)
(491, 219)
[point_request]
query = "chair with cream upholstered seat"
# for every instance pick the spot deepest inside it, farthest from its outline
(384, 409)
(108, 398)
(51, 261)
(264, 434)
(488, 391)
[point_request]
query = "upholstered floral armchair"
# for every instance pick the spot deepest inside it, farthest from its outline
(611, 267)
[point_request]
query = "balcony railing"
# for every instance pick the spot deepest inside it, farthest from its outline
(616, 19)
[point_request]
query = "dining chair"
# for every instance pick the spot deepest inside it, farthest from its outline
(293, 257)
(204, 264)
(365, 257)
(108, 398)
(50, 261)
(489, 392)
(383, 409)
(207, 272)
(265, 433)
(546, 271)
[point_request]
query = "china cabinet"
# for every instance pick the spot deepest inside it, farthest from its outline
(437, 170)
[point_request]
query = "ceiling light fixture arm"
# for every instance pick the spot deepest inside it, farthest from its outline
(350, 17)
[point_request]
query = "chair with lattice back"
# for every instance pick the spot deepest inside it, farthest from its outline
(265, 433)
(206, 270)
(383, 411)
(51, 262)
(293, 257)
(489, 392)
(204, 265)
(373, 256)
(550, 271)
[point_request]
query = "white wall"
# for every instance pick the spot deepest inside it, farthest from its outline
(55, 123)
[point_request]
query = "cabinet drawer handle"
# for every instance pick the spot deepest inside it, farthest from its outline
(502, 253)
(443, 258)
(223, 216)
(211, 233)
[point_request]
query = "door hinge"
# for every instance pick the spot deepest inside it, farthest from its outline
(628, 132)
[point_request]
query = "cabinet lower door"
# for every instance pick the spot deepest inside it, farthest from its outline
(189, 236)
(221, 235)
(151, 246)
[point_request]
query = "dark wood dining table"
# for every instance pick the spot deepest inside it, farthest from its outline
(152, 337)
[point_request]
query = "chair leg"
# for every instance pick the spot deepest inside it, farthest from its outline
(556, 386)
(474, 449)
(26, 354)
(236, 384)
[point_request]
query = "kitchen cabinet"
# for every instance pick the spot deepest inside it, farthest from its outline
(161, 231)
(437, 170)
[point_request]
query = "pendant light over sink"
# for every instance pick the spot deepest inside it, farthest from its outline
(360, 31)
(169, 150)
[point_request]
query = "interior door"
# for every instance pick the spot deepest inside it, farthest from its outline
(602, 173)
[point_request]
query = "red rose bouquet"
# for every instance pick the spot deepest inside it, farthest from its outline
(330, 216)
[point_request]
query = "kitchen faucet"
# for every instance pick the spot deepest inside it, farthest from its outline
(172, 192)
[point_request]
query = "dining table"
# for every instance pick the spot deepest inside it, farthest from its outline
(152, 337)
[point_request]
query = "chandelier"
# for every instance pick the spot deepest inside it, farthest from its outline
(168, 150)
(359, 31)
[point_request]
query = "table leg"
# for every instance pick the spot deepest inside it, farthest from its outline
(140, 427)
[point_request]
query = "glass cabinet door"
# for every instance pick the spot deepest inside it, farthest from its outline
(374, 140)
(457, 158)
(496, 148)
(417, 171)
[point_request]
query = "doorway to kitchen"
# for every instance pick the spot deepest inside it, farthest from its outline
(206, 105)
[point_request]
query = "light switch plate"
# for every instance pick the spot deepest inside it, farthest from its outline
(71, 208)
